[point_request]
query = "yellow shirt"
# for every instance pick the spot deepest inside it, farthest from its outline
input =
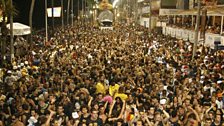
(113, 89)
(100, 88)
(24, 72)
(121, 95)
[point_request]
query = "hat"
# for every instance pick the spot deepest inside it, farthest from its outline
(33, 53)
(9, 71)
(26, 62)
(21, 64)
(162, 101)
(14, 67)
(77, 105)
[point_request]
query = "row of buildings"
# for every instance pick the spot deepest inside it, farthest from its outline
(163, 10)
(178, 18)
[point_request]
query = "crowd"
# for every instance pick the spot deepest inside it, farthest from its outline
(89, 77)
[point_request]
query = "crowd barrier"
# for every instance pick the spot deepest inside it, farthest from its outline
(188, 35)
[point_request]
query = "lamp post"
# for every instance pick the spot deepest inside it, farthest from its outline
(150, 16)
(46, 31)
(94, 14)
(82, 12)
(78, 12)
(115, 14)
(72, 10)
(11, 34)
(52, 11)
(196, 30)
(95, 7)
(62, 14)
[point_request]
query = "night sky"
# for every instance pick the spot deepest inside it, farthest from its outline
(23, 6)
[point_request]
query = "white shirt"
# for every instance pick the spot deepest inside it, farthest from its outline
(219, 104)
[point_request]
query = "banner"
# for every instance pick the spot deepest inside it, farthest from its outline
(222, 40)
(178, 33)
(164, 30)
(56, 11)
(173, 32)
(185, 35)
(168, 32)
(191, 36)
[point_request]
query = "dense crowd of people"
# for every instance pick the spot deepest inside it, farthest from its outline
(123, 77)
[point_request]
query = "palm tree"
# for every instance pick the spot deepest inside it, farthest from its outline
(31, 20)
(7, 11)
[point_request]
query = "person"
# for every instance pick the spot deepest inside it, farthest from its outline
(85, 115)
(94, 119)
(124, 77)
(16, 121)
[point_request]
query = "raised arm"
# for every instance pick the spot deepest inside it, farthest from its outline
(90, 102)
(47, 123)
(111, 108)
(122, 110)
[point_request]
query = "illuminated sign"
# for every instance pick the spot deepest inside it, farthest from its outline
(56, 11)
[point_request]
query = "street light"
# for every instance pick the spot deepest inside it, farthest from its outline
(196, 30)
(95, 7)
(150, 16)
(46, 32)
(11, 33)
(91, 12)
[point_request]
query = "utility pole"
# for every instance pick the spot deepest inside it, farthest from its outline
(78, 12)
(82, 12)
(196, 30)
(62, 14)
(11, 34)
(68, 11)
(52, 10)
(150, 16)
(72, 14)
(46, 31)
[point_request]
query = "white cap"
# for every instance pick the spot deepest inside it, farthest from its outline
(77, 105)
(21, 64)
(18, 66)
(14, 67)
(202, 77)
(26, 62)
(33, 53)
(9, 71)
